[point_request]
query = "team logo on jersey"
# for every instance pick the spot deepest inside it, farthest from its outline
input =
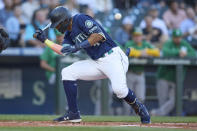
(88, 23)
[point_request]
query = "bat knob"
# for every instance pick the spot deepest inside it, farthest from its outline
(35, 35)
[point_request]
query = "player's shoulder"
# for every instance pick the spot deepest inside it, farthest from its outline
(146, 43)
(169, 42)
(184, 42)
(129, 43)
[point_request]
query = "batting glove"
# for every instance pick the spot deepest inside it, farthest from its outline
(68, 49)
(40, 35)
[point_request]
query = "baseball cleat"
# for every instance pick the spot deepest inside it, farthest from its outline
(69, 117)
(141, 110)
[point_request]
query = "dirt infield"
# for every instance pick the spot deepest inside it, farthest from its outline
(107, 124)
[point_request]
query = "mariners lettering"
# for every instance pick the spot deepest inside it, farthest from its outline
(93, 29)
(80, 38)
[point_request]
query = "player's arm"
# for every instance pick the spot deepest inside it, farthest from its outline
(43, 60)
(168, 51)
(132, 52)
(91, 28)
(152, 51)
(46, 66)
(95, 38)
(40, 35)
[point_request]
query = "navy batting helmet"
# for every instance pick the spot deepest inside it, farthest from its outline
(59, 15)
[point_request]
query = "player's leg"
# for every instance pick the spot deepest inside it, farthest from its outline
(131, 80)
(140, 87)
(169, 104)
(131, 83)
(162, 91)
(84, 70)
(163, 96)
(115, 67)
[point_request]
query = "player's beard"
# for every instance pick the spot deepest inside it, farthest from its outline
(64, 27)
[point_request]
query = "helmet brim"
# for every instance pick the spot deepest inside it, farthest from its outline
(53, 25)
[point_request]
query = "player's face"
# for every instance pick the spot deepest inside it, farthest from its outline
(63, 27)
(137, 38)
(58, 27)
(177, 40)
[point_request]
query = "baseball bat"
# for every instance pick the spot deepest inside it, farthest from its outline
(45, 28)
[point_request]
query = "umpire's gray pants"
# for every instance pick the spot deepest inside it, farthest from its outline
(166, 97)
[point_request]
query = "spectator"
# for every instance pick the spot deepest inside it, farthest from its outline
(167, 74)
(48, 59)
(174, 16)
(152, 34)
(139, 48)
(6, 12)
(28, 8)
(1, 4)
(88, 11)
(188, 23)
(54, 3)
(72, 6)
(193, 31)
(97, 5)
(195, 7)
(182, 5)
(157, 22)
(135, 76)
(13, 27)
(123, 34)
(39, 20)
(17, 2)
(44, 3)
(124, 4)
(104, 5)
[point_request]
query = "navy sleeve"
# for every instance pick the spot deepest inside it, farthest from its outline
(88, 25)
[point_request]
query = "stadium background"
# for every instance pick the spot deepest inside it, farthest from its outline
(24, 88)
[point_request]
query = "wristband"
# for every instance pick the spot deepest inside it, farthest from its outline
(84, 44)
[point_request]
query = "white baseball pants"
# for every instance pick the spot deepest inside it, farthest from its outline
(113, 66)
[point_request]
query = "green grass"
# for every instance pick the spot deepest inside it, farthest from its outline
(100, 118)
(94, 119)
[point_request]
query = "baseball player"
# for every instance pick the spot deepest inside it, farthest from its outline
(4, 39)
(107, 60)
(140, 48)
(166, 75)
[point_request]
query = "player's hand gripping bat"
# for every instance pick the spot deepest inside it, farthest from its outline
(55, 47)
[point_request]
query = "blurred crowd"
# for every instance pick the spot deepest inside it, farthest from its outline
(142, 28)
(22, 17)
(157, 19)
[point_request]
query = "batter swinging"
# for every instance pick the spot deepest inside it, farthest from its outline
(107, 60)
